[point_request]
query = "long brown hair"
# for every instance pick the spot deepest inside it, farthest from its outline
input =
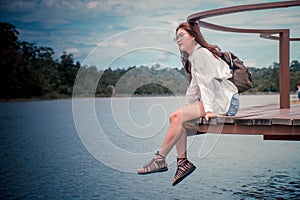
(194, 30)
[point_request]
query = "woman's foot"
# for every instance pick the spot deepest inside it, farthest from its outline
(184, 168)
(157, 164)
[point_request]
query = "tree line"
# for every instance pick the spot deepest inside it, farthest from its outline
(30, 71)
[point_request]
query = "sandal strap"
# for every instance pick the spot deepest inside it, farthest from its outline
(155, 163)
(180, 159)
(158, 154)
(182, 168)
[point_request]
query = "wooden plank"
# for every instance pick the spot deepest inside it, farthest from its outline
(296, 122)
(257, 110)
(271, 115)
(262, 121)
(281, 121)
(226, 120)
(244, 121)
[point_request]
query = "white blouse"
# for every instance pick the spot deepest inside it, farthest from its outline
(210, 82)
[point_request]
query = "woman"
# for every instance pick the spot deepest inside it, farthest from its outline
(209, 94)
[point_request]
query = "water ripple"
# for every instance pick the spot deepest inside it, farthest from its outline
(280, 185)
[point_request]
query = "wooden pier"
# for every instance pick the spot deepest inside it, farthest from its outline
(267, 120)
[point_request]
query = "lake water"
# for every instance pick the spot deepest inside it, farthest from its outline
(86, 149)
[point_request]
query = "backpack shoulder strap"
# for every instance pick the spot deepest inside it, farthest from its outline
(227, 57)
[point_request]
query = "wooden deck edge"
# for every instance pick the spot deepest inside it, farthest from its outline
(282, 137)
(278, 132)
(247, 122)
(267, 120)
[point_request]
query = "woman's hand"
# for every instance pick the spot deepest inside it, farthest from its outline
(208, 116)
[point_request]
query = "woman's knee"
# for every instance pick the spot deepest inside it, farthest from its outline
(175, 117)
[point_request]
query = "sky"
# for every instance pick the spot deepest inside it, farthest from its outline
(124, 33)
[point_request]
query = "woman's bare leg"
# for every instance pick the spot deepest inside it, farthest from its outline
(176, 133)
(181, 145)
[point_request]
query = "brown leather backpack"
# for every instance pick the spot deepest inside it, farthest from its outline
(242, 77)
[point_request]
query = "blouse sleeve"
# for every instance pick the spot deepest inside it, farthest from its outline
(204, 72)
(192, 92)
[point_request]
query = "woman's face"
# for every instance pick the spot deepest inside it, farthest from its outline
(185, 41)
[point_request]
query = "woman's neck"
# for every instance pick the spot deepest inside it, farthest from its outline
(190, 51)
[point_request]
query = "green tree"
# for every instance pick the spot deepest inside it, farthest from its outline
(27, 70)
(67, 71)
(295, 75)
(9, 56)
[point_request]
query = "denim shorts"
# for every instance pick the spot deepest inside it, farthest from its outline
(234, 105)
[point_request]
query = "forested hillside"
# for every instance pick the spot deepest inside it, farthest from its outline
(30, 71)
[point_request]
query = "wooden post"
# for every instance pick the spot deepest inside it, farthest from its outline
(284, 74)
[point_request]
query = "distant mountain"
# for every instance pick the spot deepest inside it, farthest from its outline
(152, 80)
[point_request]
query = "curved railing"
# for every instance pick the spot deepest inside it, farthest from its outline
(284, 37)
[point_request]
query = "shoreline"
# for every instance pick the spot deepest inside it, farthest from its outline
(293, 100)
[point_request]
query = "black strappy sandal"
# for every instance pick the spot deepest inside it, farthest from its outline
(184, 168)
(157, 164)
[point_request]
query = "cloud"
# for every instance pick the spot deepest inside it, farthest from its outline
(250, 63)
(17, 5)
(118, 42)
(92, 4)
(74, 51)
(83, 24)
(162, 57)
